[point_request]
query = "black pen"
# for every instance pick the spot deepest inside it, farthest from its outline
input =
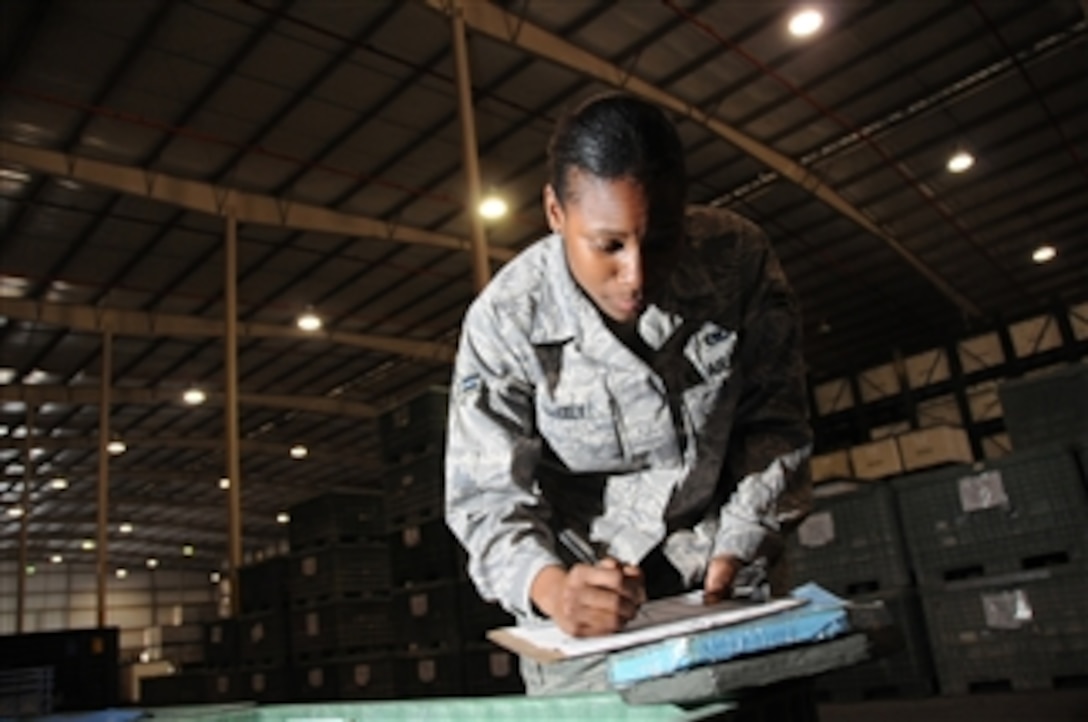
(578, 546)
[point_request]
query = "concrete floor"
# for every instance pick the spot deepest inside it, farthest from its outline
(1047, 706)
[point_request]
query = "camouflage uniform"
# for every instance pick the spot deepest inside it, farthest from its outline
(694, 446)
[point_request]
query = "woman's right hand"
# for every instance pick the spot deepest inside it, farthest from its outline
(589, 601)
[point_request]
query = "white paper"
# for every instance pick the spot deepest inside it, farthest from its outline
(658, 619)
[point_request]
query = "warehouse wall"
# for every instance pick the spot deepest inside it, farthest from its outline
(64, 596)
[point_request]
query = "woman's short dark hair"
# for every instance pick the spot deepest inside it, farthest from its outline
(616, 135)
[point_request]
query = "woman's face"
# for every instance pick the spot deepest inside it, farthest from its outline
(620, 244)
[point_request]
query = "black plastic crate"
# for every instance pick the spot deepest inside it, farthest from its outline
(175, 689)
(342, 571)
(430, 673)
(262, 587)
(360, 677)
(905, 671)
(221, 643)
(265, 683)
(852, 543)
(427, 615)
(415, 427)
(336, 518)
(196, 687)
(1022, 511)
(423, 552)
(1045, 409)
(264, 638)
(415, 491)
(490, 670)
(1023, 631)
(477, 616)
(340, 629)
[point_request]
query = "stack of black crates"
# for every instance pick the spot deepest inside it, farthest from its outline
(339, 581)
(439, 621)
(1000, 547)
(853, 545)
(984, 566)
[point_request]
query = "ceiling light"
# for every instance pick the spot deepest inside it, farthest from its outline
(15, 511)
(121, 573)
(960, 161)
(125, 527)
(59, 483)
(806, 22)
(224, 483)
(1044, 253)
(492, 208)
(152, 563)
(187, 550)
(214, 577)
(298, 451)
(116, 447)
(309, 321)
(194, 396)
(87, 545)
(283, 517)
(56, 559)
(30, 569)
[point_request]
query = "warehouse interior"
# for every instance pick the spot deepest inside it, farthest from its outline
(182, 181)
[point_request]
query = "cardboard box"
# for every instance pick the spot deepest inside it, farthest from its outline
(878, 382)
(980, 352)
(832, 396)
(876, 460)
(1078, 321)
(888, 430)
(983, 401)
(926, 368)
(939, 411)
(996, 445)
(831, 466)
(1035, 335)
(924, 448)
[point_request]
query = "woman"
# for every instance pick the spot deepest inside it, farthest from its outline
(635, 378)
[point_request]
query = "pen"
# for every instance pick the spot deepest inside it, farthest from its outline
(578, 546)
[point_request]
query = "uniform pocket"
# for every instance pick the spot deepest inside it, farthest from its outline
(579, 422)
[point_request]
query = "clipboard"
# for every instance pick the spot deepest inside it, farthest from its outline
(658, 619)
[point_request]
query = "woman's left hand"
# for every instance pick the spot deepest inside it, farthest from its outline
(720, 574)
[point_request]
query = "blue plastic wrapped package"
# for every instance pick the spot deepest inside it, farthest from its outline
(823, 617)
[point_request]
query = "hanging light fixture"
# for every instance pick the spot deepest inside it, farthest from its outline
(309, 321)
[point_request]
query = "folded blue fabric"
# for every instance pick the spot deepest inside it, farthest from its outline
(824, 616)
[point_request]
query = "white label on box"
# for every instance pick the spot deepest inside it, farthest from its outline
(982, 491)
(499, 664)
(417, 603)
(222, 684)
(313, 624)
(426, 670)
(256, 632)
(257, 682)
(816, 530)
(1007, 610)
(412, 537)
(309, 566)
(316, 677)
(362, 675)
